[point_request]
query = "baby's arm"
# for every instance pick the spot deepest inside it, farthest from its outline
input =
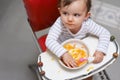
(52, 39)
(53, 45)
(103, 42)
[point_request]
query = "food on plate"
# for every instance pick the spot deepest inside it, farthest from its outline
(78, 52)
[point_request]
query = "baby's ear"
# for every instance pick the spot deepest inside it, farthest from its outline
(59, 10)
(87, 15)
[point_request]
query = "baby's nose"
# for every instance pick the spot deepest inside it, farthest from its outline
(70, 18)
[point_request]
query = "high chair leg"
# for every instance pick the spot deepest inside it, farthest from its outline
(103, 75)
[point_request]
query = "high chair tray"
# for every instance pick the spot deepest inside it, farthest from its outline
(54, 71)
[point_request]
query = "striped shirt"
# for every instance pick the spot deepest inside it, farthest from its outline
(58, 33)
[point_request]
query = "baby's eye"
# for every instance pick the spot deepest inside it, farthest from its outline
(65, 13)
(76, 15)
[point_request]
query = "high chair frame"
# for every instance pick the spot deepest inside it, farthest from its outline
(41, 15)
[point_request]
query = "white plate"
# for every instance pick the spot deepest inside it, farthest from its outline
(77, 43)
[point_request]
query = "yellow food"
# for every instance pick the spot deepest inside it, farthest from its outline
(76, 53)
(90, 68)
(69, 46)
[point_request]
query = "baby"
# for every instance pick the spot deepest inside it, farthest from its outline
(75, 22)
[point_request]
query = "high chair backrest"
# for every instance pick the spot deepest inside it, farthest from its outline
(41, 13)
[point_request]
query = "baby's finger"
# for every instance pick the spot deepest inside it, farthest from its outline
(97, 60)
(73, 64)
(68, 64)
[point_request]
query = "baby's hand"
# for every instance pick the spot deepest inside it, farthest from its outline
(68, 60)
(98, 56)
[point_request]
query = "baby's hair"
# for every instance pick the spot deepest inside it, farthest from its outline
(68, 2)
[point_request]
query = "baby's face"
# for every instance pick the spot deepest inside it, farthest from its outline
(73, 15)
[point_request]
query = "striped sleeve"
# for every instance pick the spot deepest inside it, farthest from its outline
(103, 35)
(51, 41)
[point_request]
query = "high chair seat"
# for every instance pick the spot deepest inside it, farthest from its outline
(41, 13)
(41, 42)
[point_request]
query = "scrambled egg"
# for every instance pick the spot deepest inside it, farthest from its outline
(76, 53)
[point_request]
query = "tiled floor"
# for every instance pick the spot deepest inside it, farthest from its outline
(17, 47)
